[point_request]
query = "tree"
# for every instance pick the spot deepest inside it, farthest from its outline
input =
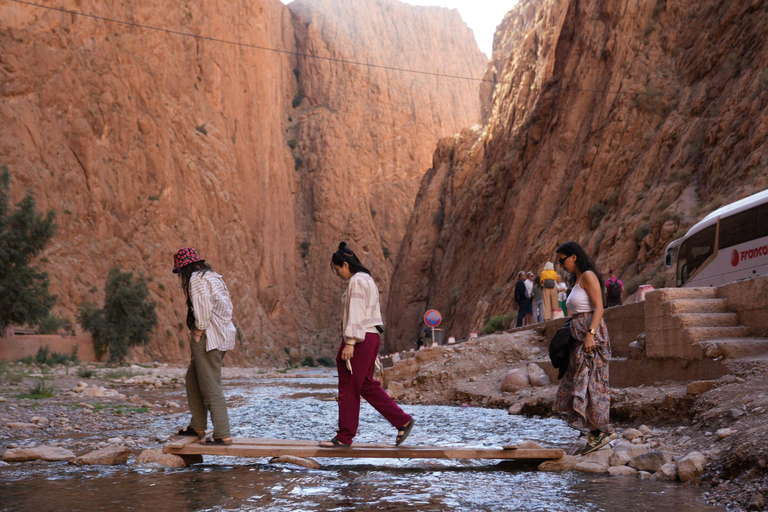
(24, 233)
(127, 318)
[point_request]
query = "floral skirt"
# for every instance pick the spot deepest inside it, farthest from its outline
(584, 396)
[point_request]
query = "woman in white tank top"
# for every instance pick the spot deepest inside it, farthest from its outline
(584, 394)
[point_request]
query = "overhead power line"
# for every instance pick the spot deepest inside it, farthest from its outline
(320, 57)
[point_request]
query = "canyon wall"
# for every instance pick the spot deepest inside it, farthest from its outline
(614, 124)
(146, 141)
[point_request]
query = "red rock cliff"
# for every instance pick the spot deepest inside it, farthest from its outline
(145, 142)
(617, 125)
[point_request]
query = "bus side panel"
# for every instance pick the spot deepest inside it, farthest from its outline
(733, 263)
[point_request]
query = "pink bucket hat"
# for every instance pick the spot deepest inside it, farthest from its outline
(184, 257)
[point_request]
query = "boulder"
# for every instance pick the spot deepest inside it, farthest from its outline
(299, 461)
(537, 376)
(115, 440)
(700, 386)
(515, 409)
(395, 387)
(645, 430)
(111, 455)
(601, 456)
(650, 461)
(564, 463)
(515, 379)
(691, 466)
(644, 475)
(47, 453)
(94, 391)
(164, 459)
(619, 458)
(667, 472)
(590, 467)
(622, 471)
(631, 433)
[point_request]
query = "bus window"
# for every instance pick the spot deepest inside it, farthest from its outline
(693, 252)
(762, 221)
(738, 229)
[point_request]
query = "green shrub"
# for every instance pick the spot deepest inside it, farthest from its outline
(41, 390)
(385, 252)
(292, 143)
(642, 231)
(309, 361)
(52, 324)
(596, 214)
(85, 373)
(494, 324)
(326, 361)
(297, 100)
(120, 373)
(127, 318)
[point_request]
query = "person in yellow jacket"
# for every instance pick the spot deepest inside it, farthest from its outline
(549, 280)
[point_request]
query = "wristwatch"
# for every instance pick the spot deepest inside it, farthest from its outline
(593, 332)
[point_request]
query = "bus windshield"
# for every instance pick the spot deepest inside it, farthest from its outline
(693, 252)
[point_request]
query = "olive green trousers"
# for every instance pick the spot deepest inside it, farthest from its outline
(204, 391)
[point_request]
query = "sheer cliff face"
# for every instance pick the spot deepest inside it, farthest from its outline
(617, 125)
(363, 132)
(145, 142)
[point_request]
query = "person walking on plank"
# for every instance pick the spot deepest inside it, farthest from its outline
(356, 358)
(209, 318)
(584, 395)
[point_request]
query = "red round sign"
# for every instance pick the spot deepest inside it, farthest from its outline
(432, 318)
(735, 258)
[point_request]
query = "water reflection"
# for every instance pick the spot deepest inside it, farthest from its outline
(343, 484)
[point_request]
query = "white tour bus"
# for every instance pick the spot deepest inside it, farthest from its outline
(729, 244)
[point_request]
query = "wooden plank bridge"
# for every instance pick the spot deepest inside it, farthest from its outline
(253, 447)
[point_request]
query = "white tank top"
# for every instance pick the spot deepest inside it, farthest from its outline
(578, 301)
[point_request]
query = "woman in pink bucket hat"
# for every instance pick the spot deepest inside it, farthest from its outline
(209, 318)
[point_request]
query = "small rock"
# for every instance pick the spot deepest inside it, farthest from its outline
(529, 445)
(115, 440)
(619, 458)
(757, 502)
(3, 463)
(515, 408)
(20, 425)
(724, 432)
(395, 387)
(39, 420)
(112, 455)
(13, 445)
(165, 459)
(650, 461)
(691, 466)
(299, 461)
(622, 471)
(173, 405)
(735, 413)
(643, 475)
(645, 430)
(590, 467)
(46, 453)
(473, 379)
(631, 433)
(565, 463)
(515, 379)
(601, 456)
(162, 438)
(667, 472)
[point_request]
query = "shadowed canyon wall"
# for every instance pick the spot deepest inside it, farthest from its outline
(615, 124)
(145, 142)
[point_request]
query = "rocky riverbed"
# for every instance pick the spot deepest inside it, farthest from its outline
(720, 427)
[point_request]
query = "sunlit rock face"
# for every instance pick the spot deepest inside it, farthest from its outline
(614, 125)
(145, 142)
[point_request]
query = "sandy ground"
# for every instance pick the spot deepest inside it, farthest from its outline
(728, 423)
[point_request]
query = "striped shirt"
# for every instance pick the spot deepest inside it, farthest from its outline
(213, 309)
(362, 312)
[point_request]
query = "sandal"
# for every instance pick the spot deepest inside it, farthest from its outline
(213, 440)
(334, 443)
(405, 431)
(189, 431)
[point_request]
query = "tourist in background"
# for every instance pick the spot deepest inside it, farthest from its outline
(584, 395)
(537, 298)
(529, 296)
(209, 318)
(356, 358)
(521, 298)
(614, 288)
(562, 295)
(549, 282)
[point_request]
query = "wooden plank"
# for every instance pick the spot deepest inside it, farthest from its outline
(278, 447)
(181, 441)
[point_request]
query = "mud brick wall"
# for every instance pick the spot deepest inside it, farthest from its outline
(749, 299)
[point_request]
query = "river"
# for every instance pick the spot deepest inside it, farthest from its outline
(293, 408)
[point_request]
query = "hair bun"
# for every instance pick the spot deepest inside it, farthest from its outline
(342, 246)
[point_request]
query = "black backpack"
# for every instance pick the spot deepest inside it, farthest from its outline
(614, 289)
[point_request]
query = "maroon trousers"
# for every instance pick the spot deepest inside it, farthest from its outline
(361, 383)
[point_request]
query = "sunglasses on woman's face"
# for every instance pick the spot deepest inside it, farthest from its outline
(562, 260)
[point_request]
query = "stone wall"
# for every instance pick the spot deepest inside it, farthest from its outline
(13, 349)
(749, 299)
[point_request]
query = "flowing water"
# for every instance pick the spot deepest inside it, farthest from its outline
(293, 409)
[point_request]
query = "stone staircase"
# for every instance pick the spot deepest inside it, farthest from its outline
(694, 323)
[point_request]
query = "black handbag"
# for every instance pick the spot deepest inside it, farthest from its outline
(560, 348)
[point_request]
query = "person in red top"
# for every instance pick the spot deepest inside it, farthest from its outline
(613, 290)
